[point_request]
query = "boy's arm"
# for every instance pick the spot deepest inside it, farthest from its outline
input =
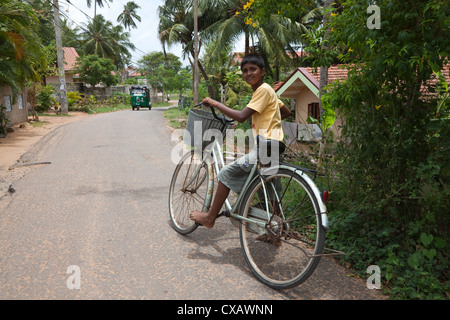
(238, 115)
(285, 112)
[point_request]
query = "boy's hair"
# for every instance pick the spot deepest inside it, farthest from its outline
(254, 59)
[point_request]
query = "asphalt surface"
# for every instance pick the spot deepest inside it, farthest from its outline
(90, 221)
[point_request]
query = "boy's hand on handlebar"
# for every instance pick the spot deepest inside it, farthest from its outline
(208, 102)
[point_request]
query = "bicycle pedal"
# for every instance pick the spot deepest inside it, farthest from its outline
(225, 213)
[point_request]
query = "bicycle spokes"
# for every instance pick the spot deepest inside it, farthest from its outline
(282, 254)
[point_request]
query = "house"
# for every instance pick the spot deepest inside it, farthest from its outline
(16, 106)
(302, 87)
(70, 62)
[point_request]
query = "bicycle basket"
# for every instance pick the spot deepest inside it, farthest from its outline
(199, 122)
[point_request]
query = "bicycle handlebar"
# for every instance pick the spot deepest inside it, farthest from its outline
(222, 119)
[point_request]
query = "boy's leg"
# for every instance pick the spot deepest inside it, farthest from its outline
(207, 219)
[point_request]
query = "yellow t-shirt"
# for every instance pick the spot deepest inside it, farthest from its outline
(266, 121)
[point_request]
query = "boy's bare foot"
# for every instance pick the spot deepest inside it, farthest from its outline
(203, 218)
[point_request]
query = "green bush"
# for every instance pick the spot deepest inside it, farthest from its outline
(45, 99)
(3, 120)
(73, 98)
(390, 169)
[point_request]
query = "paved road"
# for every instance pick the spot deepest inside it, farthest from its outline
(99, 208)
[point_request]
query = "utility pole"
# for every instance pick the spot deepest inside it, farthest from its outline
(196, 77)
(60, 56)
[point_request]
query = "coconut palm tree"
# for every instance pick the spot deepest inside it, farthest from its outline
(223, 22)
(176, 26)
(122, 46)
(273, 38)
(21, 50)
(126, 18)
(100, 37)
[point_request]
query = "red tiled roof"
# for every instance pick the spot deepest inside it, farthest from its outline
(133, 73)
(70, 58)
(336, 72)
(277, 85)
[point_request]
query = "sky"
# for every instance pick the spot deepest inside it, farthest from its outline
(144, 37)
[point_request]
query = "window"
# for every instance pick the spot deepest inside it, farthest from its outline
(20, 101)
(8, 103)
(314, 111)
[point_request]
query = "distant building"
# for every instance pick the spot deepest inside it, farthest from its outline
(70, 62)
(16, 106)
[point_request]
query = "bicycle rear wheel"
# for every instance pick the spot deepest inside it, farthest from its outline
(187, 193)
(283, 253)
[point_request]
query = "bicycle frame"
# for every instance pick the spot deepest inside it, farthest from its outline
(233, 210)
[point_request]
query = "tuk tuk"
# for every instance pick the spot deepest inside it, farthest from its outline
(140, 97)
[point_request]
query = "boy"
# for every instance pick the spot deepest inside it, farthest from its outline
(266, 111)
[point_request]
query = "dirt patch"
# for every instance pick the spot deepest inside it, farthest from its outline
(17, 143)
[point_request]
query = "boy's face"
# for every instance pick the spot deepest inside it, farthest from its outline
(252, 74)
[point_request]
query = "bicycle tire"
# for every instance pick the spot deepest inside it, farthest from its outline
(281, 258)
(182, 200)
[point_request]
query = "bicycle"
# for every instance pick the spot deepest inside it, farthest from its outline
(279, 212)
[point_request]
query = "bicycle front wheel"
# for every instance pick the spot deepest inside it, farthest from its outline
(282, 251)
(188, 190)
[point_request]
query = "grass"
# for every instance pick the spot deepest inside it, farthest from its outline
(106, 108)
(122, 106)
(38, 124)
(177, 117)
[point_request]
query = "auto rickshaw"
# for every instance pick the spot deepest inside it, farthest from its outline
(140, 97)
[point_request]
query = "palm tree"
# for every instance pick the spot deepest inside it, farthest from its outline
(128, 14)
(100, 37)
(99, 2)
(21, 50)
(176, 25)
(272, 38)
(122, 46)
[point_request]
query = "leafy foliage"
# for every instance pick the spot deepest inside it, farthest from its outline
(21, 53)
(391, 164)
(3, 120)
(94, 70)
(44, 97)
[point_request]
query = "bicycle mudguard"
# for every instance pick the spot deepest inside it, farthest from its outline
(323, 209)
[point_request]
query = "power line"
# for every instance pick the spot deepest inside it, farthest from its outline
(87, 16)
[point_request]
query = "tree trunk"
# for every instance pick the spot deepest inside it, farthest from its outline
(196, 50)
(60, 58)
(247, 42)
(323, 80)
(205, 76)
(324, 69)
